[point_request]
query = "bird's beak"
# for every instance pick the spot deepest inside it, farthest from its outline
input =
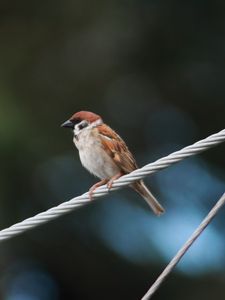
(68, 124)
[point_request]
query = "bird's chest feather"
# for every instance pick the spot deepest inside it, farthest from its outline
(93, 157)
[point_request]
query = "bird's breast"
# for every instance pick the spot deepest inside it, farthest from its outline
(93, 157)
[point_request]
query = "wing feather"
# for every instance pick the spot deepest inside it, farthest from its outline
(117, 149)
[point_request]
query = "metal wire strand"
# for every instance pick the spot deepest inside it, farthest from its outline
(125, 180)
(184, 248)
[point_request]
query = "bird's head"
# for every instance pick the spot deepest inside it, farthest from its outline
(81, 120)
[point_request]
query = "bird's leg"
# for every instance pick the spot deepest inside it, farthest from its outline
(110, 183)
(95, 186)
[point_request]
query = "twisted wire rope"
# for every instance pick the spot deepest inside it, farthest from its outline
(125, 180)
(172, 264)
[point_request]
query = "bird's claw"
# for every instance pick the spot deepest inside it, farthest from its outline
(95, 186)
(111, 181)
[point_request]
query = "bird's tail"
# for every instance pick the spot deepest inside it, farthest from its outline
(141, 188)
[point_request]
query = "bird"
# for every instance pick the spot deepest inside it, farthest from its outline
(104, 154)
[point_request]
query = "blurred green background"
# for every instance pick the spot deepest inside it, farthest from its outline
(155, 72)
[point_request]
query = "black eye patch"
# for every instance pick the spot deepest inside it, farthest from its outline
(75, 121)
(83, 125)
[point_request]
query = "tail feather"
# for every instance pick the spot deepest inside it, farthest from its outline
(141, 188)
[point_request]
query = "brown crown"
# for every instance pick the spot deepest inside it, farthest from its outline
(84, 115)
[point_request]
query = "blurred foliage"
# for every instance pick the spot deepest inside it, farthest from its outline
(155, 71)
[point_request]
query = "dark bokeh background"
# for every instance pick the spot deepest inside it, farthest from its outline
(155, 71)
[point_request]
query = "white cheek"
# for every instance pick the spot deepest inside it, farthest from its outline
(80, 137)
(76, 130)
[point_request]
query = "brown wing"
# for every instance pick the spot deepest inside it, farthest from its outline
(117, 149)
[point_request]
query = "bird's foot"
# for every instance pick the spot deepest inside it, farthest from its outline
(110, 182)
(95, 186)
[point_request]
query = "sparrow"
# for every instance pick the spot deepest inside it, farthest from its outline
(104, 154)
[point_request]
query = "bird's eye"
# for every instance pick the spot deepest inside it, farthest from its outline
(82, 125)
